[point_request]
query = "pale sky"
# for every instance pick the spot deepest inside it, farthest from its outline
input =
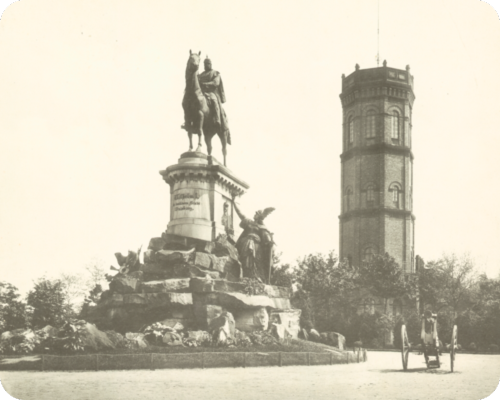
(90, 112)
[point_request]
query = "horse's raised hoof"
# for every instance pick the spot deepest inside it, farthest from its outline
(198, 149)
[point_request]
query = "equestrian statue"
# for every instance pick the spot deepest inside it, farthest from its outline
(202, 104)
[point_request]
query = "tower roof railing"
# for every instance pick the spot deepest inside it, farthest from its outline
(377, 76)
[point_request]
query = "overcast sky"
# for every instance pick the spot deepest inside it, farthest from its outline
(90, 112)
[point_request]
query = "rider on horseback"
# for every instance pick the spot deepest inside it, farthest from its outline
(213, 89)
(202, 104)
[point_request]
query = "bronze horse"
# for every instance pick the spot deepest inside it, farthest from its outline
(197, 113)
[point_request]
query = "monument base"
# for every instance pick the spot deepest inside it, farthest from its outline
(200, 197)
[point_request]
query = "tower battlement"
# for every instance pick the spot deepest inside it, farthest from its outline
(380, 81)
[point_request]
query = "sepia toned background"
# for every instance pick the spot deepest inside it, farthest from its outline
(90, 111)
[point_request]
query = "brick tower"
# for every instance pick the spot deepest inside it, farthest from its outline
(377, 165)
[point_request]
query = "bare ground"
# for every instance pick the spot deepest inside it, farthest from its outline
(476, 377)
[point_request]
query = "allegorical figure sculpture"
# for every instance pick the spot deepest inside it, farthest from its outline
(202, 104)
(255, 245)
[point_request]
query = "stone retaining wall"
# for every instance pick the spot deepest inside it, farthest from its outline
(103, 362)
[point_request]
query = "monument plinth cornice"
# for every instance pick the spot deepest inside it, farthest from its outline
(201, 168)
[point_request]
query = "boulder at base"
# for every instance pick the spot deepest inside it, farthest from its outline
(95, 338)
(288, 320)
(137, 339)
(222, 328)
(205, 313)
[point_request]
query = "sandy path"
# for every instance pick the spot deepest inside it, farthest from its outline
(476, 377)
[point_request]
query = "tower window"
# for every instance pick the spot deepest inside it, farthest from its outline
(368, 254)
(348, 199)
(370, 124)
(395, 189)
(351, 130)
(395, 125)
(395, 196)
(370, 195)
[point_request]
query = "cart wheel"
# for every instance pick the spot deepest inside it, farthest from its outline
(405, 347)
(453, 346)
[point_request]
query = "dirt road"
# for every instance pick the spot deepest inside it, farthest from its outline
(476, 377)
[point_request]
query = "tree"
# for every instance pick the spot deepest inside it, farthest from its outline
(447, 284)
(77, 286)
(12, 310)
(96, 274)
(486, 312)
(49, 303)
(384, 278)
(332, 288)
(74, 289)
(283, 274)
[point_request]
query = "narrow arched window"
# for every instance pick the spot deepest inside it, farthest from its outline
(348, 199)
(370, 124)
(350, 129)
(368, 254)
(395, 125)
(370, 195)
(395, 196)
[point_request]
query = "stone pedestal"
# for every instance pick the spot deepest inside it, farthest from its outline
(200, 197)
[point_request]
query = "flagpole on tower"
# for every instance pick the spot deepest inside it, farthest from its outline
(378, 32)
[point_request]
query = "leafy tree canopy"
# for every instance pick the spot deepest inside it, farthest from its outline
(50, 306)
(12, 309)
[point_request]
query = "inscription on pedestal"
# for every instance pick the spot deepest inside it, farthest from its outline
(186, 201)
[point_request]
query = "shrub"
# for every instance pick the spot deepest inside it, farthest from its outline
(242, 339)
(493, 348)
(20, 341)
(70, 338)
(376, 343)
(262, 338)
(411, 319)
(117, 339)
(154, 333)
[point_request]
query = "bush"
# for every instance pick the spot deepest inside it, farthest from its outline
(411, 319)
(117, 339)
(20, 341)
(154, 333)
(493, 348)
(376, 343)
(70, 338)
(262, 338)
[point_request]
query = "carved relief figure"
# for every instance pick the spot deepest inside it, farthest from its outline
(226, 220)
